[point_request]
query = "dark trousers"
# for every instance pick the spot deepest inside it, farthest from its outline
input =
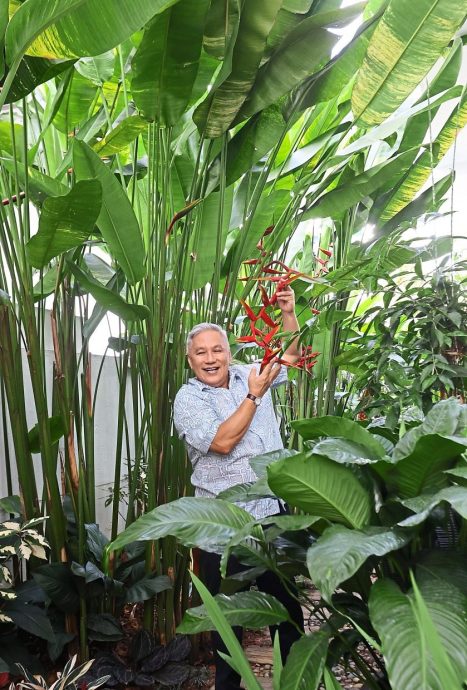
(268, 582)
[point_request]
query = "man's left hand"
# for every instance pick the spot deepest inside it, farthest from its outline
(286, 300)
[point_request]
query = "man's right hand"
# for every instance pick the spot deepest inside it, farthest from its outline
(259, 384)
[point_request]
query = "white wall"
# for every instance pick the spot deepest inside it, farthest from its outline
(106, 413)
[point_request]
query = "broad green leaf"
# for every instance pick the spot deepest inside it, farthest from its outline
(406, 641)
(67, 28)
(16, 148)
(302, 52)
(290, 523)
(339, 553)
(144, 589)
(97, 69)
(421, 171)
(65, 222)
(208, 240)
(216, 113)
(31, 618)
(221, 24)
(57, 430)
(451, 672)
(443, 565)
(406, 43)
(61, 28)
(305, 662)
(247, 491)
(395, 123)
(107, 298)
(57, 580)
(237, 658)
(330, 426)
(194, 521)
(40, 185)
(46, 285)
(335, 80)
(260, 463)
(268, 211)
(423, 470)
(166, 62)
(428, 201)
(422, 506)
(344, 451)
(321, 487)
(123, 134)
(249, 145)
(248, 609)
(442, 419)
(11, 504)
(334, 203)
(117, 221)
(33, 72)
(77, 97)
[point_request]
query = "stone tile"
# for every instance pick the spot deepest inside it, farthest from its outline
(257, 654)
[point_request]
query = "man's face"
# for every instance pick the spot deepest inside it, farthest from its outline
(209, 357)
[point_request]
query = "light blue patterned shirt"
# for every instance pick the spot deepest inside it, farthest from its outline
(199, 410)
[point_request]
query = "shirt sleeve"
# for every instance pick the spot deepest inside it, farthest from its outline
(195, 420)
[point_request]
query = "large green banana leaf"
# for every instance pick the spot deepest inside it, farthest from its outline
(321, 487)
(408, 40)
(339, 553)
(202, 522)
(334, 203)
(217, 112)
(65, 222)
(117, 221)
(249, 609)
(303, 52)
(221, 22)
(32, 72)
(208, 235)
(429, 159)
(72, 28)
(407, 643)
(166, 63)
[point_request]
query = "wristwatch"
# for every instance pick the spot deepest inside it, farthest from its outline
(254, 398)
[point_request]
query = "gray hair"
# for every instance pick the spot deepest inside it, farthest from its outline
(200, 328)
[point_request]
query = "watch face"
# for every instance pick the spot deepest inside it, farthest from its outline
(257, 401)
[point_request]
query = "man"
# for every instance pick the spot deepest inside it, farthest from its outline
(225, 416)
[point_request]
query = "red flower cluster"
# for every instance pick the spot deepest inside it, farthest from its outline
(262, 337)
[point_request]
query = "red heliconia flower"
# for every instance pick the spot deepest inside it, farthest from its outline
(326, 251)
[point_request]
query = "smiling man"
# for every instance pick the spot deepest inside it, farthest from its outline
(225, 416)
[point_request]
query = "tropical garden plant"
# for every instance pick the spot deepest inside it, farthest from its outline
(381, 533)
(150, 151)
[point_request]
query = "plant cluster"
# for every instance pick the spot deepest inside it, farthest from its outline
(140, 161)
(381, 533)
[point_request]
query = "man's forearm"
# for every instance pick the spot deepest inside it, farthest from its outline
(233, 429)
(290, 323)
